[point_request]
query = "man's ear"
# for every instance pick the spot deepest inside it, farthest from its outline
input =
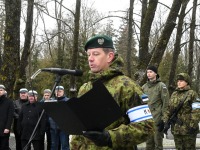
(111, 56)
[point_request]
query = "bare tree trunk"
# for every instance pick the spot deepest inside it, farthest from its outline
(75, 47)
(160, 47)
(2, 22)
(11, 55)
(60, 50)
(177, 48)
(191, 43)
(144, 10)
(21, 76)
(198, 76)
(130, 38)
(147, 20)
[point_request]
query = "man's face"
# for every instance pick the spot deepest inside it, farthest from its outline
(47, 96)
(151, 75)
(98, 60)
(59, 93)
(32, 99)
(2, 91)
(23, 95)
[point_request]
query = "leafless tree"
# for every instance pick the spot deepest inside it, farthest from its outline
(11, 54)
(75, 51)
(21, 76)
(177, 47)
(191, 42)
(148, 13)
(160, 46)
(130, 38)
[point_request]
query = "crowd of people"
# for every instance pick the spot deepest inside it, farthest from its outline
(125, 133)
(25, 113)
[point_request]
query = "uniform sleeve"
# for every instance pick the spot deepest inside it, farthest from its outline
(169, 109)
(165, 99)
(131, 134)
(127, 135)
(195, 117)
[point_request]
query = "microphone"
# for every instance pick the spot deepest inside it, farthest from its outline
(61, 71)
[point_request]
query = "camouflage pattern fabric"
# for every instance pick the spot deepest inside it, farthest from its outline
(184, 142)
(187, 118)
(155, 142)
(158, 102)
(126, 92)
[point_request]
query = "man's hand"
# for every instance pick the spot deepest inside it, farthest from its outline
(6, 131)
(166, 128)
(99, 138)
(160, 125)
(192, 130)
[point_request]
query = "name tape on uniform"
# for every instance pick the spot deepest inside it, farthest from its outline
(139, 113)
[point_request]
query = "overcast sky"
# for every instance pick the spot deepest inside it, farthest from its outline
(111, 5)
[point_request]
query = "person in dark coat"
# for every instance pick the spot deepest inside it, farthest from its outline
(28, 118)
(23, 98)
(59, 138)
(6, 118)
(46, 97)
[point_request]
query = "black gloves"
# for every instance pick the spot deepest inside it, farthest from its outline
(161, 125)
(166, 128)
(192, 130)
(99, 138)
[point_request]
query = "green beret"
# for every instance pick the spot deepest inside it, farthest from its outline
(99, 41)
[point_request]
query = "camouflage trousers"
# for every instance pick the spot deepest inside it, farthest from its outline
(155, 142)
(185, 142)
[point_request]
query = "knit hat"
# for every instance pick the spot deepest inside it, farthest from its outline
(23, 90)
(185, 77)
(99, 41)
(59, 87)
(2, 86)
(153, 68)
(47, 91)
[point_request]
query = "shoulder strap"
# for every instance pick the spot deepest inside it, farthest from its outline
(181, 103)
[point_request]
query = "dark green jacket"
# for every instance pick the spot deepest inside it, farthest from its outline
(158, 98)
(126, 92)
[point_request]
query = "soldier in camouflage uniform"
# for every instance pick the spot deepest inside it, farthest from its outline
(186, 127)
(158, 101)
(106, 66)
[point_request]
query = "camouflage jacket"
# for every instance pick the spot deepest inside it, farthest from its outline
(158, 98)
(187, 117)
(124, 135)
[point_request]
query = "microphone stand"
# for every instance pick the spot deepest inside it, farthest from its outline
(56, 83)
